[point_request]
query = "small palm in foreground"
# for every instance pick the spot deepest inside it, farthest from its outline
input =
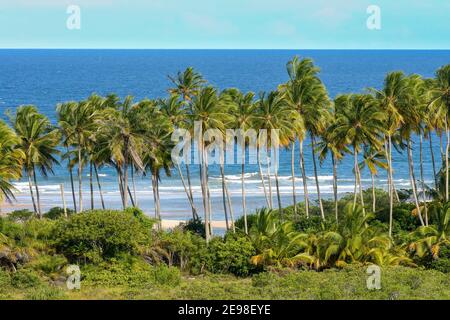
(433, 237)
(10, 162)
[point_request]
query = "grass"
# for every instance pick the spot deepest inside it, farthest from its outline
(349, 283)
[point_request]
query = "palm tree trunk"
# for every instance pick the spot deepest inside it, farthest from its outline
(447, 149)
(133, 204)
(209, 194)
(424, 197)
(374, 197)
(80, 179)
(441, 146)
(134, 187)
(244, 209)
(391, 188)
(277, 183)
(99, 186)
(361, 193)
(37, 193)
(413, 182)
(188, 194)
(230, 205)
(313, 147)
(305, 182)
(91, 185)
(269, 179)
(121, 186)
(158, 202)
(224, 196)
(436, 184)
(188, 175)
(30, 184)
(294, 198)
(155, 200)
(204, 192)
(262, 177)
(73, 189)
(125, 184)
(335, 186)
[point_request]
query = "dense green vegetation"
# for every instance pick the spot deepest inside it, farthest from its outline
(123, 256)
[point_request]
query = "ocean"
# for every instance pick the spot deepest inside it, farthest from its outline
(47, 77)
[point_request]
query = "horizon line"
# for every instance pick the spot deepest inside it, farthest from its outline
(230, 49)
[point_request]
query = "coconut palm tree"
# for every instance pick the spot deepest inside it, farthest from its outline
(77, 120)
(430, 239)
(176, 112)
(38, 140)
(274, 115)
(244, 117)
(187, 85)
(373, 159)
(11, 162)
(440, 103)
(302, 92)
(390, 98)
(120, 130)
(208, 112)
(359, 122)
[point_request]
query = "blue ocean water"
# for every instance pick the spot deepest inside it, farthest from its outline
(47, 77)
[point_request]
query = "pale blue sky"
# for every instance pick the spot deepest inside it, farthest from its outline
(297, 24)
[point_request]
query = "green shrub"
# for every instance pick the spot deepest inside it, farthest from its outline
(196, 227)
(57, 212)
(25, 278)
(230, 255)
(165, 275)
(403, 217)
(39, 229)
(96, 235)
(20, 215)
(49, 264)
(140, 216)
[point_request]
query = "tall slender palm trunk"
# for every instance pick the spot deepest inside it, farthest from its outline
(294, 196)
(258, 154)
(424, 196)
(133, 182)
(36, 187)
(30, 184)
(447, 149)
(73, 189)
(224, 197)
(244, 205)
(277, 183)
(269, 179)
(413, 182)
(390, 184)
(358, 184)
(91, 184)
(433, 161)
(319, 198)
(305, 182)
(156, 200)
(191, 194)
(335, 186)
(204, 193)
(99, 186)
(80, 179)
(188, 194)
(374, 196)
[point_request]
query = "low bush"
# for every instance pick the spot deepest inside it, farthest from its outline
(20, 215)
(96, 235)
(25, 278)
(57, 212)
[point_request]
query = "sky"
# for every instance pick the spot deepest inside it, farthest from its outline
(225, 24)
